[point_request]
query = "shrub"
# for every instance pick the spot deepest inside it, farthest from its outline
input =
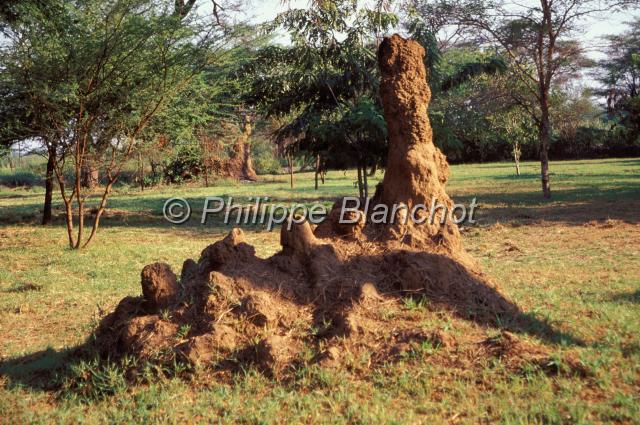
(265, 160)
(184, 165)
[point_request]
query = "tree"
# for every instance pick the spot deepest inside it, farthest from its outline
(517, 129)
(324, 86)
(96, 74)
(471, 93)
(472, 98)
(468, 90)
(211, 117)
(620, 76)
(5, 151)
(20, 122)
(538, 39)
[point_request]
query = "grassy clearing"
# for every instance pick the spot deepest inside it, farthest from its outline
(574, 261)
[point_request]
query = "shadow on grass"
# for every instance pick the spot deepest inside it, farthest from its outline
(42, 370)
(453, 286)
(23, 287)
(75, 373)
(627, 297)
(576, 206)
(572, 207)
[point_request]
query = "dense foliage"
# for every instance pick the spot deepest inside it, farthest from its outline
(323, 86)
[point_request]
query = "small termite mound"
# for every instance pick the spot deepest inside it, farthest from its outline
(240, 165)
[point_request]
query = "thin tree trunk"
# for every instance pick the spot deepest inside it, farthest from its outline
(206, 164)
(317, 170)
(48, 191)
(290, 162)
(141, 165)
(80, 202)
(154, 172)
(67, 205)
(374, 169)
(517, 152)
(365, 182)
(20, 154)
(545, 136)
(360, 185)
(101, 208)
(80, 164)
(69, 221)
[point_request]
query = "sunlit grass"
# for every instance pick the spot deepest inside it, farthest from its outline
(574, 261)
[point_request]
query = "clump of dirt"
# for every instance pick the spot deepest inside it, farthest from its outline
(336, 289)
(159, 285)
(351, 226)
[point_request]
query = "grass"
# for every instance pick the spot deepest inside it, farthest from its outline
(574, 261)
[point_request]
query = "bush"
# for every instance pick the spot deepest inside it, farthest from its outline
(265, 160)
(184, 165)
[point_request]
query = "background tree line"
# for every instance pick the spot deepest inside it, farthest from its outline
(176, 91)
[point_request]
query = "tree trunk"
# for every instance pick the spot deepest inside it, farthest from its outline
(374, 169)
(154, 172)
(290, 162)
(544, 137)
(99, 212)
(11, 164)
(68, 209)
(20, 155)
(206, 160)
(48, 191)
(317, 170)
(365, 182)
(360, 185)
(141, 165)
(517, 152)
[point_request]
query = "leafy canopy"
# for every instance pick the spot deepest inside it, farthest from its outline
(324, 85)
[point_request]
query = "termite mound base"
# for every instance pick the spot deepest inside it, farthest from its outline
(231, 309)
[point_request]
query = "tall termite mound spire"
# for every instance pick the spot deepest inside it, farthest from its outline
(416, 170)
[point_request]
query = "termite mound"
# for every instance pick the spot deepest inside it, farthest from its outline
(334, 287)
